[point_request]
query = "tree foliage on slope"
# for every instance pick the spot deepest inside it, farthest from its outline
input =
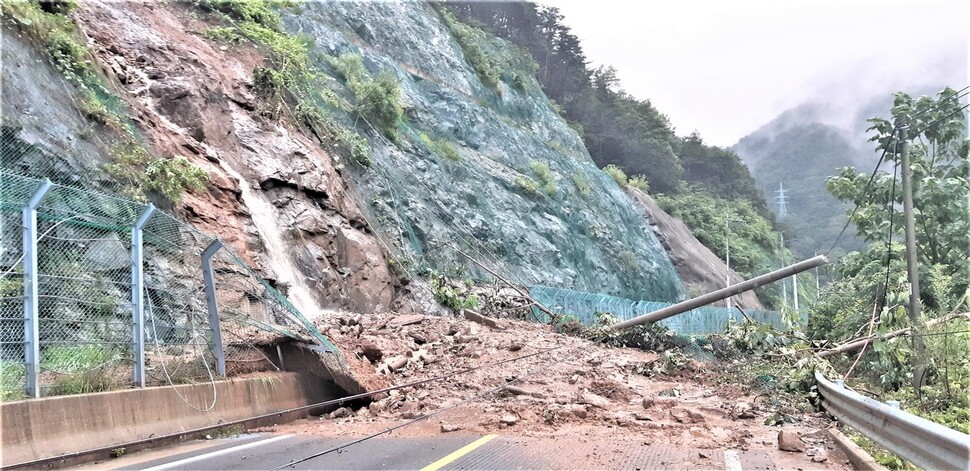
(941, 185)
(617, 128)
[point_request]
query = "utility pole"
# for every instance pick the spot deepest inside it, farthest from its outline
(818, 286)
(912, 266)
(727, 263)
(784, 286)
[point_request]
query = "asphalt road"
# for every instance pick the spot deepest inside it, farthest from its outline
(449, 451)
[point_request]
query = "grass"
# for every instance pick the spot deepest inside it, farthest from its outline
(288, 82)
(528, 185)
(441, 147)
(581, 184)
(79, 369)
(12, 375)
(546, 179)
(639, 182)
(617, 174)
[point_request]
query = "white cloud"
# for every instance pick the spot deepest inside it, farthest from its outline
(725, 68)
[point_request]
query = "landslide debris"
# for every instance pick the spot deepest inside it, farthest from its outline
(580, 388)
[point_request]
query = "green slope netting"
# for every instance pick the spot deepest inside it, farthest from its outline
(701, 321)
(579, 231)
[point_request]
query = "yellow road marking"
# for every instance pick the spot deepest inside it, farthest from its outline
(458, 453)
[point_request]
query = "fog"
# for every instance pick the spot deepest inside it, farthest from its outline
(726, 68)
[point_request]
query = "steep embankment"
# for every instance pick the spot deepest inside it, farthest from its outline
(701, 270)
(271, 194)
(488, 168)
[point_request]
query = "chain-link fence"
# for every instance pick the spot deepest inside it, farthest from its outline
(106, 292)
(701, 321)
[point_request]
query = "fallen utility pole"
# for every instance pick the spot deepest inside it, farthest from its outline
(857, 344)
(720, 294)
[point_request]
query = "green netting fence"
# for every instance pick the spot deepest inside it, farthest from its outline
(86, 337)
(705, 320)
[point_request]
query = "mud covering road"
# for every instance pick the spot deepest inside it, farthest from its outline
(581, 391)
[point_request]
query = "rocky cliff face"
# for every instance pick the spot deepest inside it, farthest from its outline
(279, 199)
(701, 270)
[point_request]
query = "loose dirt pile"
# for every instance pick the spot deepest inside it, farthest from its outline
(576, 389)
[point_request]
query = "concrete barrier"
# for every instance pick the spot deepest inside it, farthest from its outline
(48, 427)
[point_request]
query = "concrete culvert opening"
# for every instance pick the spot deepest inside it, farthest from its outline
(328, 370)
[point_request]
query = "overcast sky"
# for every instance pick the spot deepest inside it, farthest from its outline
(727, 67)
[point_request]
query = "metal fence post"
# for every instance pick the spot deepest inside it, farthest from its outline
(210, 298)
(31, 318)
(138, 295)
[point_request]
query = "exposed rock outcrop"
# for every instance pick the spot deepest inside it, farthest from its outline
(701, 270)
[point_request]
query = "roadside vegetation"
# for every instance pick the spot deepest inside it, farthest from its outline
(141, 173)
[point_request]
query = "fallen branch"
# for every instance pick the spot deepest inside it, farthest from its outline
(521, 292)
(857, 344)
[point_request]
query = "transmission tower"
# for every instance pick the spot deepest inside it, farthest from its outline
(782, 201)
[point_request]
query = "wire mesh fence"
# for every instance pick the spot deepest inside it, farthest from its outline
(701, 321)
(86, 305)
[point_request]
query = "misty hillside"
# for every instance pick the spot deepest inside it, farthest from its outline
(798, 151)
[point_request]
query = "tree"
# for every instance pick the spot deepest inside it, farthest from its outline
(941, 185)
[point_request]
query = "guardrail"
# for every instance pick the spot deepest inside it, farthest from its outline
(926, 444)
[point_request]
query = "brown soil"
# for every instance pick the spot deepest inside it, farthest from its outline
(579, 389)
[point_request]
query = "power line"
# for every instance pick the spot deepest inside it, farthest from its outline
(865, 191)
(889, 237)
(941, 120)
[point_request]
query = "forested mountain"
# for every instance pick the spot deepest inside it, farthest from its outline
(799, 153)
(617, 128)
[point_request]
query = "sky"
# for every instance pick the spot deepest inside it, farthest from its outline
(724, 68)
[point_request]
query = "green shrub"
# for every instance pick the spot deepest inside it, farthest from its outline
(453, 295)
(639, 182)
(546, 178)
(469, 39)
(140, 172)
(440, 147)
(617, 173)
(581, 184)
(378, 99)
(171, 177)
(69, 54)
(519, 81)
(226, 34)
(259, 12)
(528, 185)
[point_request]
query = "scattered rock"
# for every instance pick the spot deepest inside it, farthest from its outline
(592, 399)
(446, 428)
(577, 410)
(371, 350)
(341, 412)
(820, 456)
(515, 347)
(686, 416)
(742, 410)
(509, 419)
(407, 319)
(517, 391)
(789, 441)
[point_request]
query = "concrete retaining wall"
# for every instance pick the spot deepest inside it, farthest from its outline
(48, 427)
